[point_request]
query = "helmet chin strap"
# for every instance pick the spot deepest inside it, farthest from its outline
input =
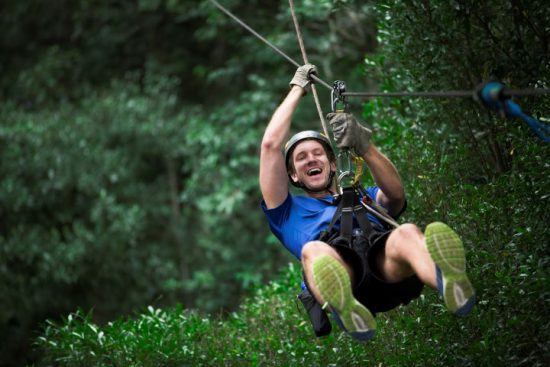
(315, 191)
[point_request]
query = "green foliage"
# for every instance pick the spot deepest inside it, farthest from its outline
(129, 144)
(501, 217)
(74, 212)
(457, 45)
(507, 260)
(117, 201)
(175, 336)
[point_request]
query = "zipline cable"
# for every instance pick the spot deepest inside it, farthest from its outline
(448, 94)
(435, 94)
(275, 48)
(304, 56)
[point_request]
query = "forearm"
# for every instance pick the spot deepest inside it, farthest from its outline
(385, 175)
(273, 176)
(279, 126)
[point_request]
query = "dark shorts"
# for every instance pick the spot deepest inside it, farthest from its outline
(369, 288)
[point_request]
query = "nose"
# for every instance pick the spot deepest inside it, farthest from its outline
(311, 159)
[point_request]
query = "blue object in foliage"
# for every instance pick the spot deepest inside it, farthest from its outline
(492, 96)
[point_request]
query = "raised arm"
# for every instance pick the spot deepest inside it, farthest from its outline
(273, 175)
(348, 133)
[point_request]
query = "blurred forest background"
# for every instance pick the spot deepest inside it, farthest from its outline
(129, 140)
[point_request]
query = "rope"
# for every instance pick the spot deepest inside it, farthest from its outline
(436, 94)
(315, 78)
(304, 56)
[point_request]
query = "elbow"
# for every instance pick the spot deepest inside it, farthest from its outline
(270, 145)
(395, 198)
(398, 196)
(399, 201)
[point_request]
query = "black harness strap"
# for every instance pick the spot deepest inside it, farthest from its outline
(326, 233)
(349, 197)
(361, 216)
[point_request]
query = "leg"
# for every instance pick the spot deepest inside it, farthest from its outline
(329, 280)
(446, 250)
(406, 254)
(437, 259)
(312, 251)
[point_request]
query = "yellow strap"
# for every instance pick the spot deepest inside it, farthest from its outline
(358, 161)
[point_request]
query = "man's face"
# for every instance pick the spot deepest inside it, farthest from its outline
(311, 164)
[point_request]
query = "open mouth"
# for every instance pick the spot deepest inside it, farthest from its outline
(314, 171)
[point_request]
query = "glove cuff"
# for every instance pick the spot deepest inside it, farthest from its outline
(363, 140)
(299, 82)
(301, 77)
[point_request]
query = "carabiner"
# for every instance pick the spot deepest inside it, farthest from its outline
(338, 102)
(344, 157)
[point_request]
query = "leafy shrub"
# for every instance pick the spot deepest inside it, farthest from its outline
(483, 176)
(506, 258)
(117, 201)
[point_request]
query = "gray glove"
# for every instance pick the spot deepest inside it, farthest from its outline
(348, 133)
(302, 76)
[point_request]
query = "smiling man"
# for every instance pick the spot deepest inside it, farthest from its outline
(395, 264)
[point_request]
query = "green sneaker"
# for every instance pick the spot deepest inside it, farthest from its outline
(447, 252)
(334, 285)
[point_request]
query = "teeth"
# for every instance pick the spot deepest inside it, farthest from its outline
(313, 171)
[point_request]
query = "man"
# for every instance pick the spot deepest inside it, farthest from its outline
(398, 262)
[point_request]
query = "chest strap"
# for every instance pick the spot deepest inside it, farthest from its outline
(349, 206)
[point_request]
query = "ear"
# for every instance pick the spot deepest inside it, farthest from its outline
(294, 176)
(333, 166)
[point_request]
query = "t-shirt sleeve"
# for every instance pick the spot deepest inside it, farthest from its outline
(278, 216)
(372, 191)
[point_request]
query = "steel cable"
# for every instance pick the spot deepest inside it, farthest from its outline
(434, 94)
(448, 94)
(275, 48)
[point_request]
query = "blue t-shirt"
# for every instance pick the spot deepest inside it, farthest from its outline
(300, 219)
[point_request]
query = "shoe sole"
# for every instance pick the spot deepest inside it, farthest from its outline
(447, 252)
(334, 285)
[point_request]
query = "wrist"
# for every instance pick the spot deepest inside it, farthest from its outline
(296, 89)
(369, 152)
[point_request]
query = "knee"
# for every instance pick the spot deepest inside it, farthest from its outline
(407, 231)
(313, 249)
(402, 238)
